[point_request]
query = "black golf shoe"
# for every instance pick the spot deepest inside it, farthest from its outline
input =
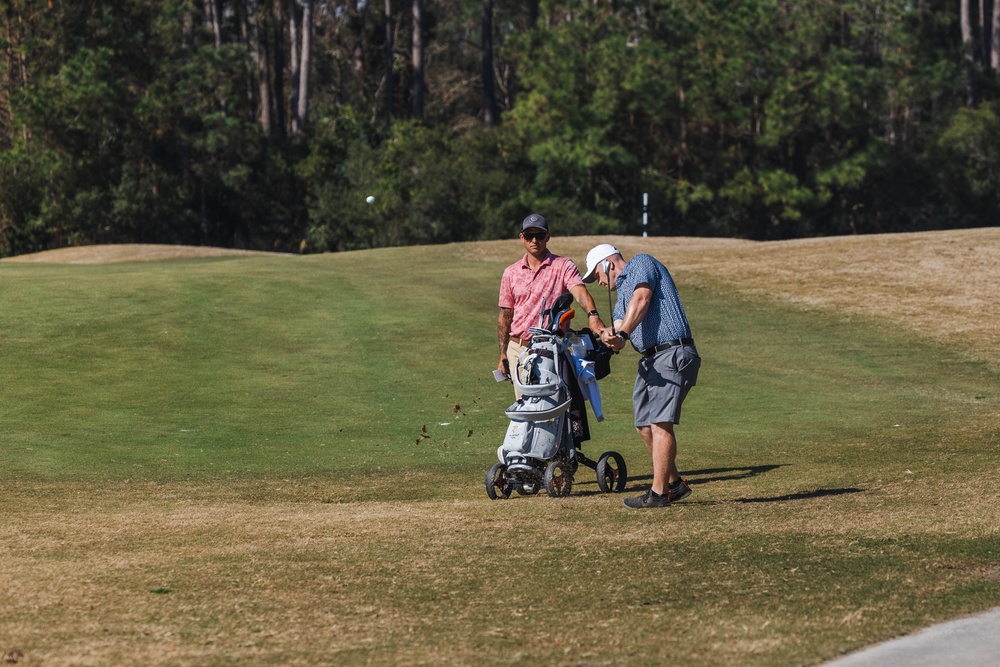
(678, 491)
(647, 500)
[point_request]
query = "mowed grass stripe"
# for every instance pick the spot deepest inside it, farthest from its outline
(231, 354)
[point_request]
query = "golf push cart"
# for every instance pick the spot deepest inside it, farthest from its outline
(547, 424)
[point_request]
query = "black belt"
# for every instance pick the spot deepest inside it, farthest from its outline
(650, 351)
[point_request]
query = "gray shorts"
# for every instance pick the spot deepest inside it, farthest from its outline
(662, 384)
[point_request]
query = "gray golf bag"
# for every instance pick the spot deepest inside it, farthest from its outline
(549, 422)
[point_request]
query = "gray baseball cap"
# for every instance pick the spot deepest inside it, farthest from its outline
(534, 221)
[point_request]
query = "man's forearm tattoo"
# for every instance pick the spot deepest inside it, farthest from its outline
(503, 328)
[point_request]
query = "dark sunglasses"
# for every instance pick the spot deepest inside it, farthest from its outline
(537, 236)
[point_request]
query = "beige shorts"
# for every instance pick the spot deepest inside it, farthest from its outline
(514, 351)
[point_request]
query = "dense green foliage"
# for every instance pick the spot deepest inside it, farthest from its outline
(151, 122)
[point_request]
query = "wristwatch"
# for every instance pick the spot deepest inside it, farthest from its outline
(624, 335)
(592, 313)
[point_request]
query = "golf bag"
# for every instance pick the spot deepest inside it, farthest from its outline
(555, 376)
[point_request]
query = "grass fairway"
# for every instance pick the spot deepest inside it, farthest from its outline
(220, 462)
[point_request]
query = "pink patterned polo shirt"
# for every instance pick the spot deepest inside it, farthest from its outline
(523, 289)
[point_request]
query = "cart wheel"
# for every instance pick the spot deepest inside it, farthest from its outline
(612, 475)
(528, 488)
(496, 482)
(558, 479)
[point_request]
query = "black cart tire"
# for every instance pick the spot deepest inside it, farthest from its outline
(612, 473)
(558, 479)
(497, 485)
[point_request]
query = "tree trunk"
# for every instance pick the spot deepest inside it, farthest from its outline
(259, 42)
(6, 84)
(968, 53)
(995, 41)
(293, 51)
(979, 27)
(243, 9)
(682, 148)
(389, 92)
(275, 36)
(418, 58)
(256, 74)
(490, 115)
(188, 22)
(212, 20)
(302, 110)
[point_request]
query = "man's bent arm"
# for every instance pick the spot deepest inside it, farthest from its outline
(637, 307)
(634, 314)
(582, 296)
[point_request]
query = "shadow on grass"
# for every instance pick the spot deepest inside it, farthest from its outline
(693, 477)
(727, 474)
(818, 493)
(716, 474)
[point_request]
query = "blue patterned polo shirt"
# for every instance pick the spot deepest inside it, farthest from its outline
(665, 320)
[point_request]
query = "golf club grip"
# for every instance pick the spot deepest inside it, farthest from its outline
(611, 309)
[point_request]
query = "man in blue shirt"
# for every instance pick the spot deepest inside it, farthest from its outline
(650, 315)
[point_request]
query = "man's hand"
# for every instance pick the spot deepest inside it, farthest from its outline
(614, 341)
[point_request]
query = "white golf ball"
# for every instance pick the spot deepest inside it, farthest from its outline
(370, 199)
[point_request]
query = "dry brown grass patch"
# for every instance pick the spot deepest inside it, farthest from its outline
(940, 284)
(129, 252)
(166, 574)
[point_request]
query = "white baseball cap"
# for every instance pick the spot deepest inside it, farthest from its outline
(594, 257)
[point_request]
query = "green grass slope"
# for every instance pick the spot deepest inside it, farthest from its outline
(224, 454)
(263, 367)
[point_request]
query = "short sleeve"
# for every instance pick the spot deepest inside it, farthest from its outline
(506, 291)
(571, 275)
(644, 271)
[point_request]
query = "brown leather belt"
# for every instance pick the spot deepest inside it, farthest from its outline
(523, 342)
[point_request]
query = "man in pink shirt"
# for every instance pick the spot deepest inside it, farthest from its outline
(537, 276)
